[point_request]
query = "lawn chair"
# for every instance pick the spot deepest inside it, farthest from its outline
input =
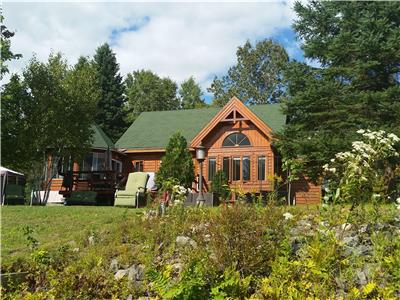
(135, 187)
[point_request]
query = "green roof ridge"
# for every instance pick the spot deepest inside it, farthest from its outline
(152, 129)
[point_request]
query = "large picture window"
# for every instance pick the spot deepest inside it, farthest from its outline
(236, 169)
(236, 139)
(212, 167)
(94, 161)
(261, 168)
(246, 168)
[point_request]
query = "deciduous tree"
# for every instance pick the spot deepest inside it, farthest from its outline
(257, 78)
(190, 95)
(6, 53)
(146, 91)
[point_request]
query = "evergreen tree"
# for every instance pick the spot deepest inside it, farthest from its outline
(357, 85)
(146, 91)
(111, 111)
(177, 162)
(190, 95)
(257, 78)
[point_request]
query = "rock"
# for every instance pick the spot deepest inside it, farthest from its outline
(120, 274)
(303, 223)
(178, 267)
(346, 226)
(114, 265)
(130, 297)
(207, 238)
(136, 273)
(364, 228)
(362, 277)
(295, 246)
(91, 240)
(351, 240)
(324, 224)
(184, 240)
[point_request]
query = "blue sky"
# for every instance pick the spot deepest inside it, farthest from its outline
(175, 40)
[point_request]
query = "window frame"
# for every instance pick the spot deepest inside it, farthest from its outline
(259, 159)
(243, 159)
(236, 145)
(209, 171)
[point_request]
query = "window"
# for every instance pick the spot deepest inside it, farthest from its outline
(236, 139)
(261, 168)
(94, 161)
(212, 167)
(116, 165)
(226, 164)
(138, 166)
(236, 168)
(246, 168)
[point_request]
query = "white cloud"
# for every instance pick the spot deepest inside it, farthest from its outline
(179, 39)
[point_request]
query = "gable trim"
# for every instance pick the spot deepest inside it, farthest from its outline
(238, 106)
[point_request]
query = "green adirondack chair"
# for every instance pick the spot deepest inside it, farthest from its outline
(135, 187)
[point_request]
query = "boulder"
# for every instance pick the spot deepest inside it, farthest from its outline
(184, 240)
(114, 265)
(120, 274)
(136, 272)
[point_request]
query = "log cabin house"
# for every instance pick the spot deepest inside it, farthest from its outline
(237, 138)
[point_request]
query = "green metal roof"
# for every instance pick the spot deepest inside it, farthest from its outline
(100, 138)
(154, 129)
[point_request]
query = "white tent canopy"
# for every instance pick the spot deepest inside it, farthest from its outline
(8, 171)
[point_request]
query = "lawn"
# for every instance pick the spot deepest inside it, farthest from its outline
(54, 226)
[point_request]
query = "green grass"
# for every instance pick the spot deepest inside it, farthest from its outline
(54, 226)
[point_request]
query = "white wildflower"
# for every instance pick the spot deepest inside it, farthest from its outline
(288, 216)
(393, 137)
(360, 131)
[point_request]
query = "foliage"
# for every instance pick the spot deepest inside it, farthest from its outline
(49, 112)
(146, 91)
(190, 95)
(111, 112)
(220, 186)
(192, 284)
(241, 252)
(357, 83)
(365, 172)
(6, 53)
(177, 162)
(257, 78)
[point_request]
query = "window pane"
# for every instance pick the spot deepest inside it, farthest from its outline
(236, 168)
(226, 167)
(246, 168)
(261, 168)
(236, 139)
(212, 167)
(138, 166)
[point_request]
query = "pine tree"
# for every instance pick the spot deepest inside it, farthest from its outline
(357, 85)
(111, 110)
(190, 95)
(6, 53)
(177, 162)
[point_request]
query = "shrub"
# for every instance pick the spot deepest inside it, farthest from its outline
(177, 162)
(220, 185)
(365, 172)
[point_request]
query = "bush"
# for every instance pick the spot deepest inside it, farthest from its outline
(220, 185)
(177, 163)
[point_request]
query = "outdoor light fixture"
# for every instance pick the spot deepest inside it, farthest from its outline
(200, 156)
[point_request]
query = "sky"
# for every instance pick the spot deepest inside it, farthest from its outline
(175, 40)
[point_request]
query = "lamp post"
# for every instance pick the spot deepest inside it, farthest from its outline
(200, 156)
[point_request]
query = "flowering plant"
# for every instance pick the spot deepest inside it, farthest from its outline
(361, 174)
(179, 194)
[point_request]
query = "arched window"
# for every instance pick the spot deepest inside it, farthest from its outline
(236, 139)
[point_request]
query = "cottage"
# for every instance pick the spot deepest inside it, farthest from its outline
(238, 140)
